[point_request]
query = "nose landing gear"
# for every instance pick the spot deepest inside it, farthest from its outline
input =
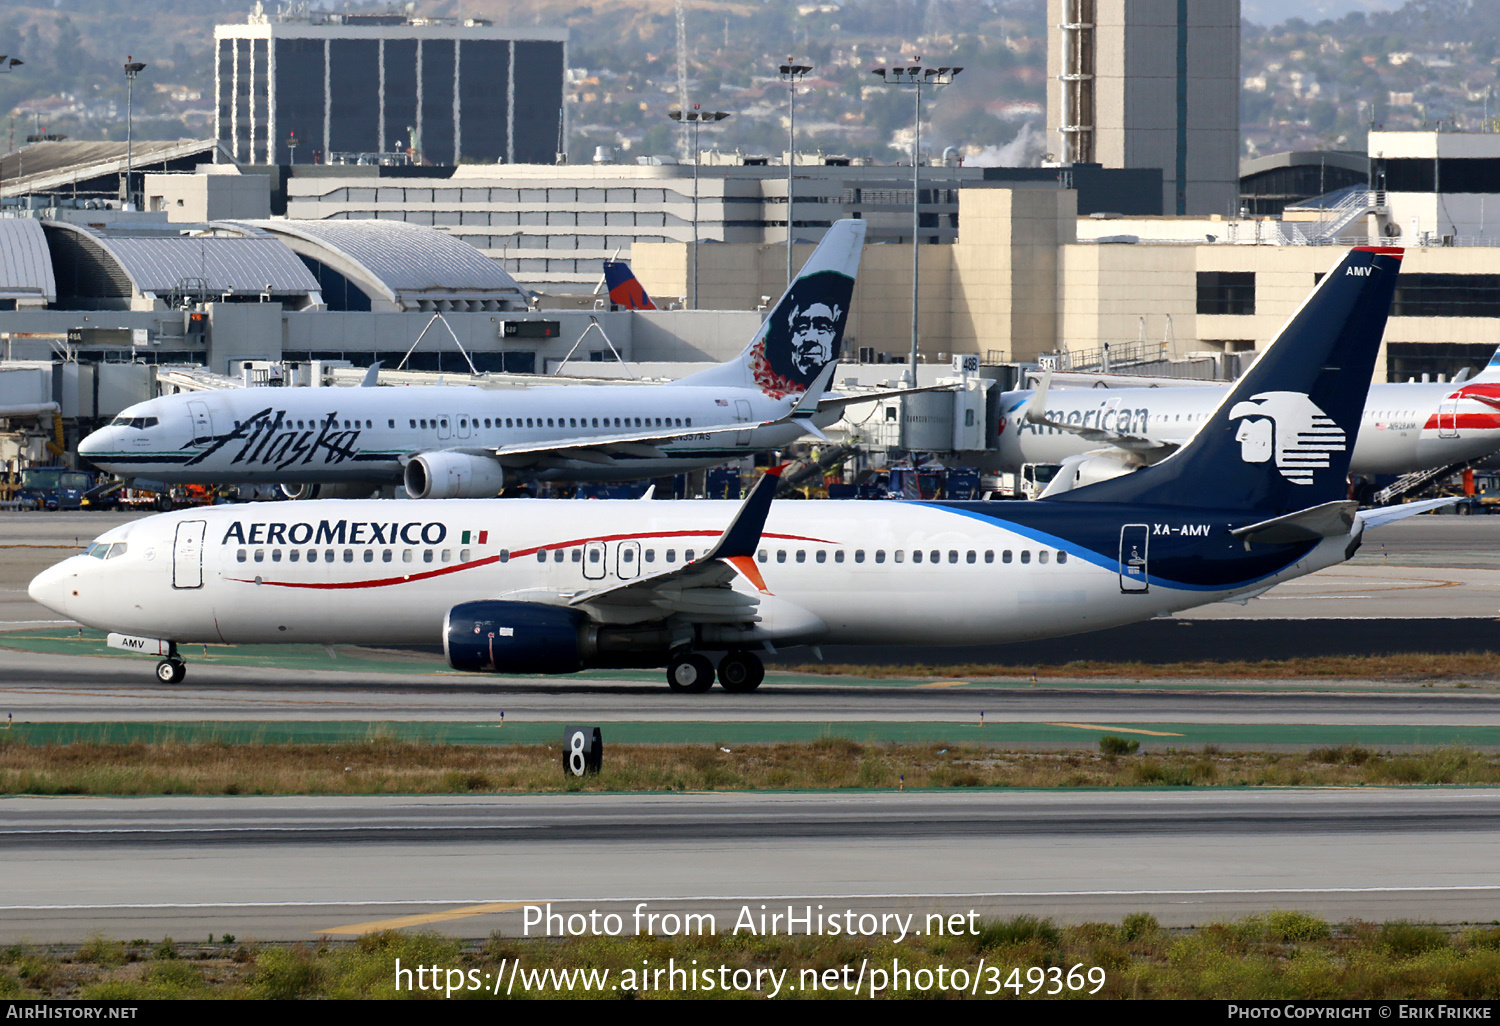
(172, 669)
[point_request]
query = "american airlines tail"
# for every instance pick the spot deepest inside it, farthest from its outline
(1280, 441)
(625, 289)
(804, 332)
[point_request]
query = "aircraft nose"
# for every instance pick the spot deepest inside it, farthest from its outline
(53, 587)
(93, 444)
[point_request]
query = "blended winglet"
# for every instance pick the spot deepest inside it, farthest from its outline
(742, 535)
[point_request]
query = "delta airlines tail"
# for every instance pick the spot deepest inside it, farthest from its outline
(625, 290)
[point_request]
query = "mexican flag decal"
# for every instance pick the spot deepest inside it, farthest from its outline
(483, 537)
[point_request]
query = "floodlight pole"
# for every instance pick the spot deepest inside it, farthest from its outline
(791, 74)
(696, 117)
(133, 68)
(916, 76)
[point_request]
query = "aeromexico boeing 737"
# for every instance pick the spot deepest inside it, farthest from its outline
(468, 442)
(537, 586)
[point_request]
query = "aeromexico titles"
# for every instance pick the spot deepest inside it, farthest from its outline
(1255, 498)
(467, 442)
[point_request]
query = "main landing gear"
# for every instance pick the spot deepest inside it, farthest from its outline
(739, 671)
(172, 669)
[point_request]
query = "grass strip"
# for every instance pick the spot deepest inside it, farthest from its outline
(1280, 955)
(385, 766)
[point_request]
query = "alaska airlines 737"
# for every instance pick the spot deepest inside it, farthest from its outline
(468, 442)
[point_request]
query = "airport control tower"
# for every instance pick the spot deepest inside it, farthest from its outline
(369, 84)
(1149, 83)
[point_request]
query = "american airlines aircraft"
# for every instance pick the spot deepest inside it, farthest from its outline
(537, 586)
(467, 442)
(1099, 433)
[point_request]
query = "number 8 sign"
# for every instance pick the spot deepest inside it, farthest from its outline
(583, 751)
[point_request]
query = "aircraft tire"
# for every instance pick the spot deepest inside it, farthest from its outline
(170, 671)
(740, 672)
(690, 673)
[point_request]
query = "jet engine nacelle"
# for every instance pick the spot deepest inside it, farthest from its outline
(453, 475)
(1077, 471)
(346, 490)
(532, 637)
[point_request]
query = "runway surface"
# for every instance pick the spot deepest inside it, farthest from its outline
(289, 868)
(38, 688)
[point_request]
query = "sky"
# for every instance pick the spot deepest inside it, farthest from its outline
(1273, 12)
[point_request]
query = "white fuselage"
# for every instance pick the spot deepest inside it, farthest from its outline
(370, 571)
(1405, 427)
(337, 435)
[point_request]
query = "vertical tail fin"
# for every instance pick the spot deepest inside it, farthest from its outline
(804, 332)
(1280, 440)
(1491, 371)
(625, 290)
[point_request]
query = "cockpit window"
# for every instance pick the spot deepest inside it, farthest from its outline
(117, 549)
(139, 423)
(105, 550)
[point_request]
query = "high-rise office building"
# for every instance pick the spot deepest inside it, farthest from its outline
(1149, 83)
(289, 86)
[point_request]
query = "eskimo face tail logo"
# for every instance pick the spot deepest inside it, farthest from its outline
(1289, 428)
(803, 334)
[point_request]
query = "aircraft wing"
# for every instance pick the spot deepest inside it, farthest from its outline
(646, 443)
(700, 590)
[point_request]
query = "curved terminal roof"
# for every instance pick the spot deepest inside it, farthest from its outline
(25, 263)
(409, 266)
(161, 261)
(1345, 159)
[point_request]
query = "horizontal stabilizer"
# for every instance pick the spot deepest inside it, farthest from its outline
(1330, 520)
(1391, 514)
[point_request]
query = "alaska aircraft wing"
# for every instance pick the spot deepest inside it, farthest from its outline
(1145, 449)
(700, 590)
